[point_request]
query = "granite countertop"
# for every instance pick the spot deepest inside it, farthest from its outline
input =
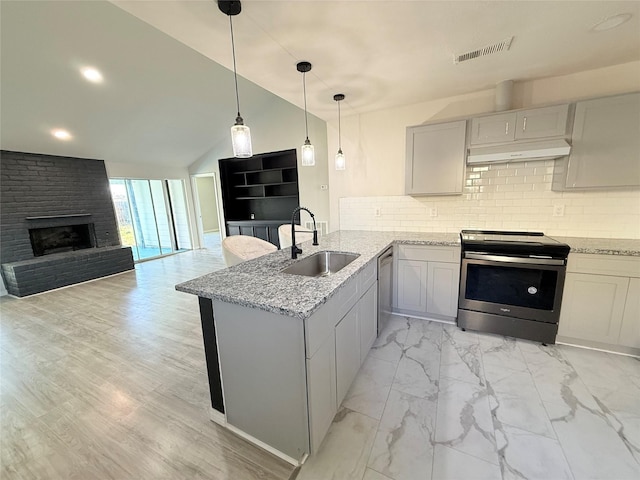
(602, 246)
(258, 283)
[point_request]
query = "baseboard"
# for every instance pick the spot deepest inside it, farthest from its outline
(601, 347)
(447, 320)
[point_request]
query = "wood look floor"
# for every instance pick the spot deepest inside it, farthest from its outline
(107, 380)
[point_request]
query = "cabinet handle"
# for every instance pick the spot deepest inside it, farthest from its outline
(506, 129)
(524, 124)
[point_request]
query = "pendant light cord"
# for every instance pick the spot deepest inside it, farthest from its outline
(304, 89)
(235, 74)
(339, 130)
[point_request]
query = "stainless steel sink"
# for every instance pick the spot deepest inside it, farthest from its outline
(321, 264)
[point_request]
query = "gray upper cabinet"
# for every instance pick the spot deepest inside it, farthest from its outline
(435, 158)
(542, 122)
(605, 143)
(498, 128)
(520, 125)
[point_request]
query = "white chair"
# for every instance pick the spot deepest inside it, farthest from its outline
(284, 235)
(240, 248)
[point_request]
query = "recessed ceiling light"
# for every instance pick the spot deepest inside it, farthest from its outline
(91, 74)
(611, 22)
(61, 134)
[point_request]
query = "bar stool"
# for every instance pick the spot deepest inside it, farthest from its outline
(284, 235)
(240, 248)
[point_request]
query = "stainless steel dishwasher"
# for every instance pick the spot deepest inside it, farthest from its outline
(385, 282)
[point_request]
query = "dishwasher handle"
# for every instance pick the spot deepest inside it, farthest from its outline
(386, 257)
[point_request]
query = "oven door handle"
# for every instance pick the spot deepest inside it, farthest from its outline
(505, 259)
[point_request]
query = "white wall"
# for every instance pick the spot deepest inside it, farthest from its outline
(281, 127)
(374, 144)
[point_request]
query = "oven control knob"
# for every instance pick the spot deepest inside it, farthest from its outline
(532, 290)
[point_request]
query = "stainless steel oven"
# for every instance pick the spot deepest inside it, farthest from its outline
(511, 283)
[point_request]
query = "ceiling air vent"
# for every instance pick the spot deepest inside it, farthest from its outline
(481, 52)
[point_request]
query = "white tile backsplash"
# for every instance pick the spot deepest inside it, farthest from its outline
(505, 196)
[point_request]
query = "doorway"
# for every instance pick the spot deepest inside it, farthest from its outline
(205, 192)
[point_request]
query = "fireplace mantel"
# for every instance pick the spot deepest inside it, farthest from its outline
(52, 217)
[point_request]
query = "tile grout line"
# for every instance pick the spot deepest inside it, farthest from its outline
(545, 409)
(385, 402)
(435, 426)
(493, 426)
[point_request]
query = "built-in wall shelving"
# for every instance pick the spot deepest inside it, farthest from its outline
(261, 188)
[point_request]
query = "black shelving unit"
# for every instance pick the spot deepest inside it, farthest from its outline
(259, 193)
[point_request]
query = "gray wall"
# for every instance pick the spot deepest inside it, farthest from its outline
(45, 185)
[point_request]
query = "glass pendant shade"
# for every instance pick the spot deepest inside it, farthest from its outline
(241, 140)
(340, 161)
(240, 133)
(308, 155)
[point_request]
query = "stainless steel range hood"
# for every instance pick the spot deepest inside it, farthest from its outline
(537, 150)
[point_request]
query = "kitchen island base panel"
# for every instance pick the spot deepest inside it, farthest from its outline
(508, 326)
(262, 364)
(220, 418)
(267, 448)
(211, 354)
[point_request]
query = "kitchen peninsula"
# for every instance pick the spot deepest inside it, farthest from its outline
(284, 349)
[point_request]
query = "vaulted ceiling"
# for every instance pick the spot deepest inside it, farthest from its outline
(168, 97)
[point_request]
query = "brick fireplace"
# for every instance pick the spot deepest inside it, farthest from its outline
(58, 223)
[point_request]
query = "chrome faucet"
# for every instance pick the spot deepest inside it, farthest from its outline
(294, 249)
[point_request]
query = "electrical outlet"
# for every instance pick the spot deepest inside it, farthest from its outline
(558, 210)
(378, 211)
(433, 212)
(324, 187)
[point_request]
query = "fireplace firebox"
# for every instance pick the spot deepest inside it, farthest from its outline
(48, 240)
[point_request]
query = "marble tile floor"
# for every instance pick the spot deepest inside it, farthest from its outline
(434, 402)
(107, 380)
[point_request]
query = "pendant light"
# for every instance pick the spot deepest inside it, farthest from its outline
(240, 133)
(308, 156)
(340, 160)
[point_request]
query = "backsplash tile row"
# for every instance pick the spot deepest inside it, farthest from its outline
(504, 196)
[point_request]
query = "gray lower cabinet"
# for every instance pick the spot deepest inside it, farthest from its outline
(435, 158)
(592, 307)
(605, 145)
(350, 321)
(601, 302)
(442, 288)
(354, 336)
(347, 352)
(412, 286)
(321, 372)
(630, 329)
(368, 316)
(427, 281)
